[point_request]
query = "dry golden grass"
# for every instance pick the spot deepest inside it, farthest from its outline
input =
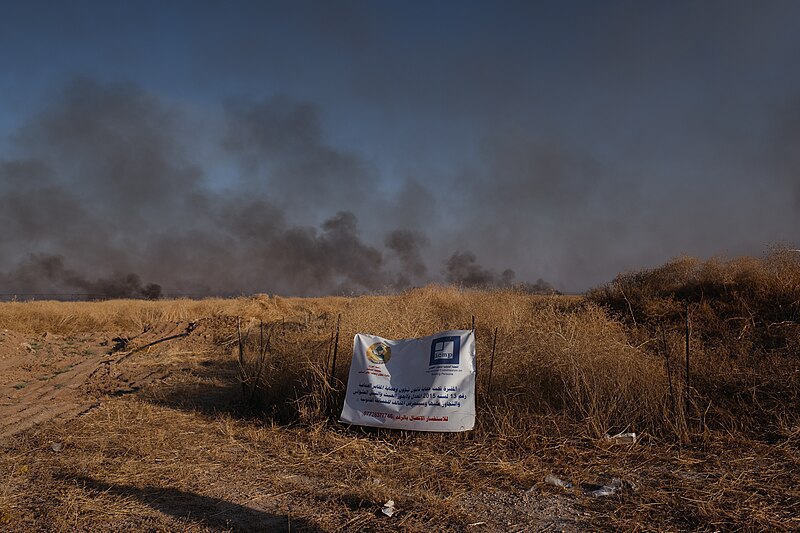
(87, 317)
(186, 454)
(555, 355)
(744, 318)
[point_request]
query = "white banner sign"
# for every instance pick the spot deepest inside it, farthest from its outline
(425, 384)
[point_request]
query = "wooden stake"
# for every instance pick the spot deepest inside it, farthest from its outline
(335, 351)
(688, 333)
(263, 347)
(242, 373)
(332, 406)
(491, 362)
(669, 369)
(328, 353)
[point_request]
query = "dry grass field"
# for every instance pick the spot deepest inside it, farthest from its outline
(132, 415)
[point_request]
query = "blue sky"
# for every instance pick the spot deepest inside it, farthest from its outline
(563, 140)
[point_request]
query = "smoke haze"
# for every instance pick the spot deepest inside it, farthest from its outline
(104, 191)
(304, 150)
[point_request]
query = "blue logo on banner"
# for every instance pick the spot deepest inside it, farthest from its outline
(446, 351)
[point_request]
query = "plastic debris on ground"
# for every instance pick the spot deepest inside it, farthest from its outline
(388, 508)
(610, 489)
(622, 438)
(550, 479)
(605, 490)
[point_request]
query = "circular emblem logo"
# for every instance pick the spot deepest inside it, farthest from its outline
(379, 353)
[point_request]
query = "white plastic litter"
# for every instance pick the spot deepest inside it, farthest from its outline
(623, 438)
(616, 485)
(550, 479)
(603, 491)
(389, 508)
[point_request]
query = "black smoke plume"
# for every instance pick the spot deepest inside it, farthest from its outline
(407, 246)
(102, 191)
(46, 275)
(463, 269)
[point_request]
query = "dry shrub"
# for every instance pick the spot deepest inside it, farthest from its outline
(281, 372)
(737, 306)
(579, 363)
(557, 357)
(744, 319)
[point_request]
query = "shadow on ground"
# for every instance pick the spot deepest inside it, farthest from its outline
(211, 389)
(203, 510)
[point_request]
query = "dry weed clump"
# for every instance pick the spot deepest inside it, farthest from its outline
(744, 329)
(556, 357)
(66, 318)
(280, 372)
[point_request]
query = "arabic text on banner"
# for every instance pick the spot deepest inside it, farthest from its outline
(425, 384)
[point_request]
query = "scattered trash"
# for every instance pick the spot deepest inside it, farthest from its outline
(550, 479)
(27, 346)
(622, 484)
(616, 485)
(120, 344)
(622, 438)
(376, 481)
(389, 508)
(56, 446)
(605, 490)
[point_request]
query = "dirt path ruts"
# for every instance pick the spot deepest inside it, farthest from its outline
(49, 396)
(55, 383)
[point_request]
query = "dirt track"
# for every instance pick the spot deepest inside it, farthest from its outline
(55, 378)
